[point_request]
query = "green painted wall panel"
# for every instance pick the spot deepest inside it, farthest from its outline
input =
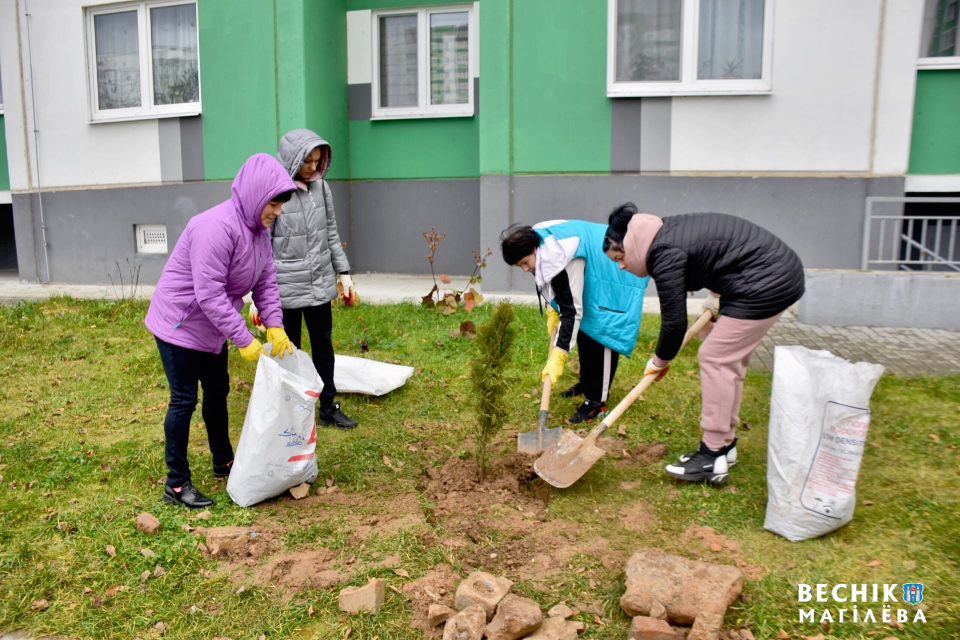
(325, 64)
(561, 111)
(400, 149)
(238, 83)
(935, 146)
(4, 169)
(496, 143)
(291, 70)
(357, 5)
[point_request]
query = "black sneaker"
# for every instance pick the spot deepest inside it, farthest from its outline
(333, 416)
(222, 470)
(187, 495)
(573, 392)
(703, 465)
(588, 412)
(730, 450)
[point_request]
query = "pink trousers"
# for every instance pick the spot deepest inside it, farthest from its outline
(723, 360)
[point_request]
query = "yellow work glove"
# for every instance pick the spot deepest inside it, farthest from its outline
(554, 368)
(553, 321)
(252, 351)
(281, 343)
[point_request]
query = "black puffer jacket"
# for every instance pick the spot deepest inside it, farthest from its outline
(756, 274)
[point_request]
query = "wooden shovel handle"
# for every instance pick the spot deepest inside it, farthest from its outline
(545, 400)
(638, 390)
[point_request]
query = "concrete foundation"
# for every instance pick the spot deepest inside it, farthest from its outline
(881, 299)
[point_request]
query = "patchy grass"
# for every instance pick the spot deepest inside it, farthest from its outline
(82, 401)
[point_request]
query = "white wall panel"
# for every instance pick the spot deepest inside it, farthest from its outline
(818, 118)
(73, 152)
(359, 47)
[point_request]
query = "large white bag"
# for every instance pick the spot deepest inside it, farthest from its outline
(819, 419)
(279, 438)
(359, 375)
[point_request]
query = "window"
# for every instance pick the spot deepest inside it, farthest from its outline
(688, 47)
(151, 238)
(938, 42)
(143, 60)
(423, 62)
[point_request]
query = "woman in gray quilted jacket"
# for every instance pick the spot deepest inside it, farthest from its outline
(310, 260)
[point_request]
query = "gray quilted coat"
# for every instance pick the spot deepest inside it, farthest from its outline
(306, 244)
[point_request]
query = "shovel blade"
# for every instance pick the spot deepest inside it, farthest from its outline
(564, 463)
(534, 443)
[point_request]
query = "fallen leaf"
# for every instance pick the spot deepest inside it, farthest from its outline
(783, 635)
(97, 602)
(413, 449)
(148, 553)
(867, 503)
(87, 590)
(104, 467)
(716, 547)
(387, 462)
(242, 588)
(819, 636)
(39, 605)
(186, 527)
(143, 577)
(910, 564)
(90, 453)
(310, 611)
(935, 437)
(896, 624)
(300, 491)
(874, 563)
(622, 431)
(330, 482)
(203, 515)
(159, 571)
(393, 588)
(111, 551)
(114, 590)
(445, 279)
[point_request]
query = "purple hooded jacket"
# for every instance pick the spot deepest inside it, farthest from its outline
(222, 254)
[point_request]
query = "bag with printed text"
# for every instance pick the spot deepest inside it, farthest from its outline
(278, 443)
(819, 419)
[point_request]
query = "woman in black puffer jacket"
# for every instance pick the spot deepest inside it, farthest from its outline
(752, 276)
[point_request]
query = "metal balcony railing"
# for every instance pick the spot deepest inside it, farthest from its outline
(910, 242)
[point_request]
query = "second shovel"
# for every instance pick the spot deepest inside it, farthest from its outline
(535, 442)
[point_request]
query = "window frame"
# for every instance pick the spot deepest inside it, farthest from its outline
(147, 109)
(689, 85)
(938, 62)
(423, 109)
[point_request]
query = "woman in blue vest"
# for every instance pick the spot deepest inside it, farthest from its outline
(591, 303)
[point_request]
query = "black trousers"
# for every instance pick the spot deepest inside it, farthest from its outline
(319, 325)
(598, 365)
(185, 369)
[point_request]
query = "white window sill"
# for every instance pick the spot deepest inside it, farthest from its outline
(668, 93)
(944, 63)
(422, 116)
(101, 119)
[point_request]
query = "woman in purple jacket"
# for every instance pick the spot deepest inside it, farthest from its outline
(222, 254)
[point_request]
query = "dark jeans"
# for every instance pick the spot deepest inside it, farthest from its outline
(185, 369)
(319, 325)
(598, 365)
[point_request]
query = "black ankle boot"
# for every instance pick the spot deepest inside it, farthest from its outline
(222, 470)
(187, 495)
(333, 416)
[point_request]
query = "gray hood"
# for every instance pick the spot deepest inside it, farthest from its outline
(297, 145)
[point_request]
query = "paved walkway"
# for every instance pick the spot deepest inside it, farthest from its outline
(901, 351)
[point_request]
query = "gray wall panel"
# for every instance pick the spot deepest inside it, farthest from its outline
(88, 231)
(655, 134)
(191, 148)
(496, 214)
(821, 218)
(390, 217)
(625, 134)
(359, 105)
(171, 162)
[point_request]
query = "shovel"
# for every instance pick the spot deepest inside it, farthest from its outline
(535, 442)
(571, 457)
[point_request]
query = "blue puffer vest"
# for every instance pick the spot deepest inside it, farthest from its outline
(612, 298)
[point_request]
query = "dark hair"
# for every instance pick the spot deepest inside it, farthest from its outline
(617, 229)
(282, 197)
(517, 242)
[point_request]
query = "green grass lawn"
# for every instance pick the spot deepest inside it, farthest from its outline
(82, 401)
